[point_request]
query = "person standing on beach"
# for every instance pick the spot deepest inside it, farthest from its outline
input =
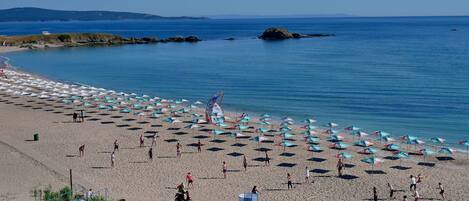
(375, 194)
(245, 163)
(116, 146)
(81, 150)
(442, 191)
(267, 159)
(224, 170)
(142, 141)
(404, 198)
(113, 159)
(178, 150)
(75, 116)
(289, 182)
(153, 142)
(416, 195)
(189, 179)
(254, 190)
(391, 191)
(89, 194)
(199, 146)
(340, 166)
(413, 183)
(150, 153)
(307, 175)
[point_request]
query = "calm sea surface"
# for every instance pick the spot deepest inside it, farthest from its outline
(401, 75)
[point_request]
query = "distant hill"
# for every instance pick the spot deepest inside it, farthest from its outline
(277, 16)
(39, 14)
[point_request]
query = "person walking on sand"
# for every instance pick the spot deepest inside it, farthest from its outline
(199, 146)
(404, 198)
(245, 163)
(142, 141)
(442, 190)
(307, 175)
(267, 159)
(89, 194)
(391, 191)
(340, 166)
(75, 117)
(113, 159)
(289, 182)
(413, 183)
(178, 150)
(224, 170)
(416, 195)
(116, 146)
(375, 194)
(81, 150)
(254, 190)
(189, 179)
(153, 142)
(150, 153)
(419, 178)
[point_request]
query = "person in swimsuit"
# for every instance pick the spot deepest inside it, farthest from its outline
(142, 141)
(254, 190)
(375, 194)
(178, 150)
(153, 142)
(225, 169)
(150, 153)
(116, 146)
(81, 150)
(199, 146)
(75, 117)
(267, 159)
(307, 175)
(289, 182)
(391, 191)
(340, 166)
(189, 179)
(413, 183)
(113, 159)
(442, 191)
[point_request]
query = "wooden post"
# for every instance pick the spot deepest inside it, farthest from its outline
(71, 182)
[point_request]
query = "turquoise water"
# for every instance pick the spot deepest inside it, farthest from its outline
(401, 75)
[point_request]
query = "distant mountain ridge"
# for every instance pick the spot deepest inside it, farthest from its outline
(279, 16)
(40, 14)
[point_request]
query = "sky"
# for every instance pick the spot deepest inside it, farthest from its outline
(258, 7)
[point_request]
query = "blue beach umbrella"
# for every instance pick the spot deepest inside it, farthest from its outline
(336, 138)
(287, 135)
(344, 155)
(310, 121)
(466, 144)
(312, 139)
(352, 128)
(314, 148)
(393, 147)
(363, 143)
(372, 161)
(370, 150)
(446, 150)
(340, 145)
(401, 155)
(426, 152)
(125, 110)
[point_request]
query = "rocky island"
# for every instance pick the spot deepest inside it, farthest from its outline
(83, 39)
(275, 33)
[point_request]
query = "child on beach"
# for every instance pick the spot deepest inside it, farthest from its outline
(225, 169)
(81, 150)
(113, 159)
(245, 163)
(116, 146)
(340, 166)
(199, 146)
(442, 191)
(189, 179)
(178, 150)
(142, 141)
(289, 182)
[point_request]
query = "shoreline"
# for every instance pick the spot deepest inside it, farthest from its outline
(136, 178)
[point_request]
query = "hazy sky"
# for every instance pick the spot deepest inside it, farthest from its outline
(257, 7)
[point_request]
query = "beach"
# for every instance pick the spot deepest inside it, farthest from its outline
(135, 177)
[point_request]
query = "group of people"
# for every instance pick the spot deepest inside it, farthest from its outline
(78, 117)
(415, 181)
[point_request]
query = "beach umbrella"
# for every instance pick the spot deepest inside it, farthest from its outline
(370, 150)
(125, 110)
(265, 115)
(388, 139)
(310, 127)
(192, 126)
(336, 138)
(310, 121)
(198, 103)
(314, 148)
(287, 135)
(466, 144)
(446, 150)
(287, 144)
(309, 132)
(262, 130)
(259, 139)
(401, 155)
(172, 120)
(339, 145)
(331, 131)
(344, 155)
(312, 139)
(352, 128)
(381, 135)
(363, 143)
(437, 140)
(372, 161)
(426, 152)
(360, 134)
(332, 125)
(393, 147)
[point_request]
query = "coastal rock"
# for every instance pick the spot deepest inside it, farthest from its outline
(230, 39)
(192, 39)
(274, 33)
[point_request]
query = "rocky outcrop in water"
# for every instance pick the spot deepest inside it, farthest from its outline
(275, 33)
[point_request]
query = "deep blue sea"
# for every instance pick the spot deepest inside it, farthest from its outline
(404, 75)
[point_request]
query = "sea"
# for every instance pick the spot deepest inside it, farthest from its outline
(402, 75)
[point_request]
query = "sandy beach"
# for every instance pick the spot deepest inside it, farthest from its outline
(27, 164)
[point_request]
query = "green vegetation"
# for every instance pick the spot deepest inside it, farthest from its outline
(65, 38)
(64, 194)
